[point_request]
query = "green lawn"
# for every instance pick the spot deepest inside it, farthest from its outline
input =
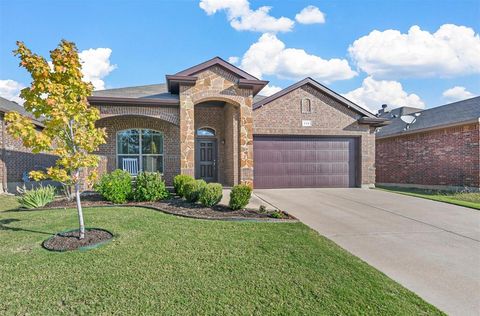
(471, 200)
(162, 264)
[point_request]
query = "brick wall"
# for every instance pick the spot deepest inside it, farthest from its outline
(446, 157)
(171, 138)
(212, 116)
(15, 160)
(283, 116)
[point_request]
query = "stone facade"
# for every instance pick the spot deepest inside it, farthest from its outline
(216, 84)
(171, 150)
(445, 157)
(284, 116)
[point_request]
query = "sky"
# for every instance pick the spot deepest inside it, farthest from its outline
(402, 53)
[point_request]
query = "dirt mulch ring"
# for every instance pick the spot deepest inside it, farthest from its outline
(180, 207)
(69, 240)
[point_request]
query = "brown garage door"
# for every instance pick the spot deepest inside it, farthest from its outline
(304, 162)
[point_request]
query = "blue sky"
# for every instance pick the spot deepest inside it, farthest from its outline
(147, 39)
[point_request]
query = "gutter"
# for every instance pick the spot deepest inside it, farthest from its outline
(95, 100)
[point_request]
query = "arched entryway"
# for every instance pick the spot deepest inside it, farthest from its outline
(216, 142)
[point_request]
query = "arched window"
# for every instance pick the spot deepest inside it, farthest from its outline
(140, 150)
(306, 105)
(205, 131)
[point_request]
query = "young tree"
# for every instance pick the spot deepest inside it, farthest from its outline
(58, 97)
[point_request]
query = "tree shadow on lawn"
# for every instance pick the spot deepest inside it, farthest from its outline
(7, 221)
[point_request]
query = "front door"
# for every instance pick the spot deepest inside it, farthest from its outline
(206, 160)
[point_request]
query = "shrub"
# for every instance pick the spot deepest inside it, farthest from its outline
(240, 196)
(211, 194)
(37, 197)
(179, 181)
(276, 214)
(192, 189)
(149, 186)
(116, 186)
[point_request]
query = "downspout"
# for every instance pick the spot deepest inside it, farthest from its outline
(4, 155)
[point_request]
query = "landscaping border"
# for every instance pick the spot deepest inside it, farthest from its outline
(231, 219)
(83, 248)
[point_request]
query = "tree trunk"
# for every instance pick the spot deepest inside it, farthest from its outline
(80, 211)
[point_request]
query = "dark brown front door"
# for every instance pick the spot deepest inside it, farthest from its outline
(206, 160)
(304, 162)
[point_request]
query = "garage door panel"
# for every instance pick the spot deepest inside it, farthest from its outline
(289, 162)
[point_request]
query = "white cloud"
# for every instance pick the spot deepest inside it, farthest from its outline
(457, 93)
(242, 18)
(269, 90)
(310, 15)
(10, 89)
(452, 50)
(96, 65)
(233, 59)
(372, 94)
(269, 56)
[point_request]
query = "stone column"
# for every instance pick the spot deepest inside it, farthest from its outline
(187, 132)
(246, 141)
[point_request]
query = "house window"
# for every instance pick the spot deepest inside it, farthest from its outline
(140, 150)
(306, 106)
(205, 131)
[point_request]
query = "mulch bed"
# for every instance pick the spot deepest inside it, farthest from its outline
(178, 206)
(69, 240)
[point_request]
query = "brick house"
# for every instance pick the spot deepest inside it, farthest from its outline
(440, 149)
(210, 122)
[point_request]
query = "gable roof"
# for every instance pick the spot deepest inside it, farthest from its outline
(446, 115)
(187, 76)
(216, 61)
(320, 87)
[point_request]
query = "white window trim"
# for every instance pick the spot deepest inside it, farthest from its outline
(140, 155)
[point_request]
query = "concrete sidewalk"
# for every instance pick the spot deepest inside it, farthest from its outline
(432, 248)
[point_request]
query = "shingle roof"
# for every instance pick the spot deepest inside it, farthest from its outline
(452, 113)
(153, 91)
(8, 106)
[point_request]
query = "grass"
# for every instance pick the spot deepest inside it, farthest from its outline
(162, 264)
(467, 199)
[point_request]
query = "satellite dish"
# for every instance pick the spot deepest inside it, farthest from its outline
(409, 119)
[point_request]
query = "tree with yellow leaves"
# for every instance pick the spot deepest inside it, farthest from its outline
(57, 97)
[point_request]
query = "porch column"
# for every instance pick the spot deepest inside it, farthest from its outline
(187, 132)
(246, 141)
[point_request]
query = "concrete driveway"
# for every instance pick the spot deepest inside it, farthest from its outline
(431, 248)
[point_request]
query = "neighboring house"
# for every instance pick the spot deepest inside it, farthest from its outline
(16, 160)
(209, 122)
(439, 149)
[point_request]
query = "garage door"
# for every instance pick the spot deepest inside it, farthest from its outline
(304, 162)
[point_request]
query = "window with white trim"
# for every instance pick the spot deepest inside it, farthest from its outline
(144, 145)
(306, 105)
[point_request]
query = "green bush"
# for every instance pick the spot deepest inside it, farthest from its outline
(116, 186)
(179, 181)
(149, 186)
(211, 194)
(240, 196)
(37, 197)
(192, 189)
